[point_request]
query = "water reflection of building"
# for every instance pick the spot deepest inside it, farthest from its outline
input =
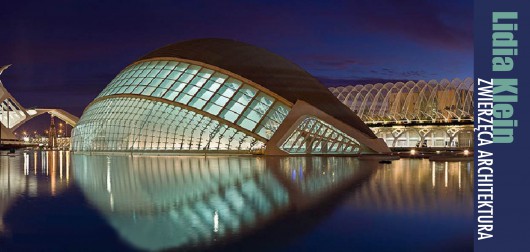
(11, 185)
(418, 187)
(164, 202)
(32, 174)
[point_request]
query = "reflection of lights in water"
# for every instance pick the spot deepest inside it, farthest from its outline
(166, 202)
(53, 167)
(405, 189)
(38, 182)
(67, 167)
(35, 162)
(301, 172)
(26, 164)
(109, 185)
(44, 162)
(459, 175)
(111, 201)
(215, 221)
(433, 174)
(446, 174)
(17, 180)
(61, 165)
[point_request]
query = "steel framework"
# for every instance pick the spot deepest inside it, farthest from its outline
(411, 102)
(13, 115)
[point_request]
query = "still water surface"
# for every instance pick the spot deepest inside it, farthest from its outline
(61, 201)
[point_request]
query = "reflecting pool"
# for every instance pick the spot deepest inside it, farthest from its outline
(60, 201)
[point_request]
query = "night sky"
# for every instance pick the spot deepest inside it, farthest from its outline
(65, 52)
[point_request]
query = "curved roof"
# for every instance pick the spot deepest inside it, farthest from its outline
(420, 101)
(264, 68)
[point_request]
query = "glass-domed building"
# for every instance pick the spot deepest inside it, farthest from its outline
(219, 95)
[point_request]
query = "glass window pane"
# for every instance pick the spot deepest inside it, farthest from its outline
(229, 115)
(212, 108)
(197, 103)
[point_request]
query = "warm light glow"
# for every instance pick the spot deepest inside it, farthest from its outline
(438, 101)
(26, 164)
(61, 165)
(413, 152)
(433, 174)
(35, 163)
(466, 152)
(31, 111)
(446, 173)
(53, 167)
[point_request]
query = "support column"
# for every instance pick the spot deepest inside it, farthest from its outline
(423, 134)
(396, 133)
(452, 132)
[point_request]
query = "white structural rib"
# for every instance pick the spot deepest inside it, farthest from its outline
(13, 114)
(419, 102)
(301, 110)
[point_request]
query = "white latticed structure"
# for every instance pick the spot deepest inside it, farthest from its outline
(435, 114)
(13, 115)
(419, 102)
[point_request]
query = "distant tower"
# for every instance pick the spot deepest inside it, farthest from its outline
(52, 134)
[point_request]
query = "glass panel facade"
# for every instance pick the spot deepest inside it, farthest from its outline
(167, 105)
(129, 123)
(205, 89)
(314, 136)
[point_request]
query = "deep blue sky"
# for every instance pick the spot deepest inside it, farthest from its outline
(65, 52)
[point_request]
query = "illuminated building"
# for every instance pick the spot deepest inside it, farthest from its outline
(13, 115)
(52, 134)
(217, 95)
(434, 114)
